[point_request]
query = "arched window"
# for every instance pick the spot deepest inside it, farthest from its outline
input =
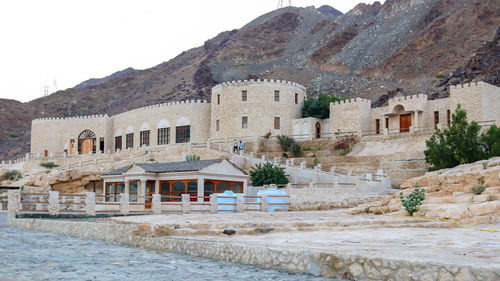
(163, 132)
(182, 130)
(86, 142)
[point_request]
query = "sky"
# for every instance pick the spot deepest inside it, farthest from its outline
(61, 43)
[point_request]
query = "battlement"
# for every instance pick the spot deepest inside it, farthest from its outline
(477, 84)
(100, 116)
(408, 98)
(240, 83)
(351, 102)
(160, 105)
(96, 116)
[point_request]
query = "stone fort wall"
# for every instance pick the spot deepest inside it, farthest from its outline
(260, 107)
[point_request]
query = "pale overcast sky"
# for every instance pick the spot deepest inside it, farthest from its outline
(73, 41)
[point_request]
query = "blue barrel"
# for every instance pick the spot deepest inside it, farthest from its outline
(226, 202)
(281, 202)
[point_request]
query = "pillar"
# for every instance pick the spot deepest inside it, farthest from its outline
(90, 203)
(124, 204)
(201, 189)
(264, 207)
(186, 206)
(14, 205)
(157, 187)
(213, 203)
(53, 206)
(127, 186)
(416, 121)
(240, 203)
(156, 204)
(141, 191)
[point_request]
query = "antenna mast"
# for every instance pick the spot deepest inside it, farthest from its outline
(281, 3)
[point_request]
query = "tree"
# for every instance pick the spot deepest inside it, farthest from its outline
(267, 173)
(491, 142)
(459, 144)
(320, 107)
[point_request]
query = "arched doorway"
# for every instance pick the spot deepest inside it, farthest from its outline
(86, 142)
(318, 130)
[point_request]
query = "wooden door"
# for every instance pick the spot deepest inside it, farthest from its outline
(404, 123)
(72, 147)
(87, 145)
(150, 190)
(318, 130)
(377, 126)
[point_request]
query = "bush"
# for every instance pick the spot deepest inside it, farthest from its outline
(478, 189)
(267, 173)
(491, 142)
(345, 142)
(13, 135)
(440, 75)
(12, 175)
(49, 165)
(285, 142)
(284, 155)
(320, 107)
(413, 200)
(459, 144)
(315, 161)
(296, 149)
(193, 157)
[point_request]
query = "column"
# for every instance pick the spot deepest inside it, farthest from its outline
(127, 186)
(53, 207)
(186, 206)
(240, 204)
(124, 204)
(141, 190)
(14, 197)
(263, 204)
(201, 189)
(213, 203)
(90, 204)
(156, 204)
(416, 121)
(157, 187)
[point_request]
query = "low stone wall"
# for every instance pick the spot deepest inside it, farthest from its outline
(316, 262)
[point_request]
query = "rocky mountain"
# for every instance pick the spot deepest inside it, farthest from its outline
(400, 46)
(99, 81)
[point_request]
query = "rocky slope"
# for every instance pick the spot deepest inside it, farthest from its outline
(365, 52)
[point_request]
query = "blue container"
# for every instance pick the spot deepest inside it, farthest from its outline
(280, 201)
(229, 198)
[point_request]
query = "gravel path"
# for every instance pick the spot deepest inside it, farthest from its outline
(26, 255)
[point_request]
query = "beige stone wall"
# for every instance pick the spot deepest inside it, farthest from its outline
(350, 115)
(305, 128)
(481, 100)
(260, 107)
(194, 113)
(54, 134)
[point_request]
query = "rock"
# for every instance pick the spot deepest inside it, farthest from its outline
(264, 229)
(229, 232)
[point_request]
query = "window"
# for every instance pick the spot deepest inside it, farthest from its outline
(276, 95)
(436, 118)
(296, 98)
(387, 123)
(244, 122)
(173, 190)
(145, 138)
(118, 143)
(244, 95)
(182, 134)
(132, 191)
(129, 140)
(218, 99)
(163, 136)
(448, 117)
(217, 125)
(215, 186)
(276, 123)
(377, 126)
(113, 190)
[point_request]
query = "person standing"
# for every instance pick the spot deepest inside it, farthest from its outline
(235, 146)
(242, 145)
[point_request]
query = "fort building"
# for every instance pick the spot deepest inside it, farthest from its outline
(252, 108)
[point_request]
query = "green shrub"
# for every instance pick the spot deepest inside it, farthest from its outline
(478, 189)
(284, 155)
(315, 161)
(491, 142)
(345, 152)
(193, 157)
(459, 144)
(13, 135)
(267, 173)
(49, 165)
(296, 149)
(12, 175)
(413, 200)
(440, 75)
(320, 107)
(285, 142)
(307, 148)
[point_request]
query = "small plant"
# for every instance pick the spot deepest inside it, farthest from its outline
(307, 148)
(267, 135)
(193, 157)
(315, 161)
(367, 209)
(296, 149)
(268, 173)
(12, 175)
(285, 142)
(413, 200)
(478, 189)
(319, 147)
(345, 152)
(440, 75)
(284, 155)
(345, 142)
(49, 165)
(13, 135)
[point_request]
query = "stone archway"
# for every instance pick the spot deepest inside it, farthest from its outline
(86, 142)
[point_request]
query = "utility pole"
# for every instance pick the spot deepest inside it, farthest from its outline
(281, 3)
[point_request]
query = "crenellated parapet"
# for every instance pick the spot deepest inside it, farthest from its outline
(240, 83)
(351, 102)
(419, 97)
(95, 116)
(165, 106)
